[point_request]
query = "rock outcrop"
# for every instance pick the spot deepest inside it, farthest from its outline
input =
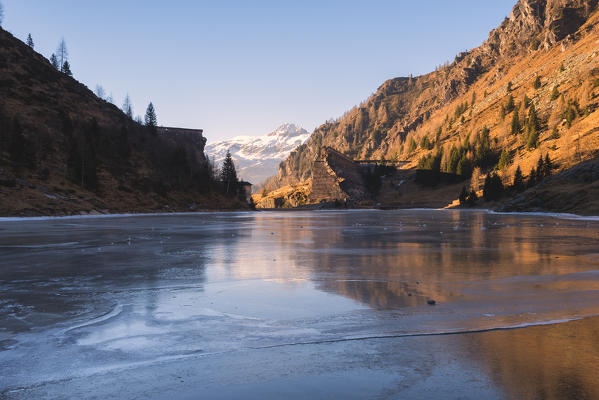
(192, 139)
(290, 196)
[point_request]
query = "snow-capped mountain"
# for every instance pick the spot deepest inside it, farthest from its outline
(258, 157)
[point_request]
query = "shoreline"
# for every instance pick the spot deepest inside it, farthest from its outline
(193, 213)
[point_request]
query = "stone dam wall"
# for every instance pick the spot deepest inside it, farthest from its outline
(335, 177)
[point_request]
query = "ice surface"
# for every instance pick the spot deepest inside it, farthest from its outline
(252, 305)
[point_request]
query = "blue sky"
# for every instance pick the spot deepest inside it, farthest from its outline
(245, 67)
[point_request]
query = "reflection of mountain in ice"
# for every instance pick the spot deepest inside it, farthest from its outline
(258, 157)
(206, 301)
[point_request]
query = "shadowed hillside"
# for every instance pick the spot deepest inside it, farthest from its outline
(66, 151)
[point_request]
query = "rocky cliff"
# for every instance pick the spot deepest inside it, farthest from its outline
(543, 56)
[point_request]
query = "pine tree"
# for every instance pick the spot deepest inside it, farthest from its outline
(127, 107)
(438, 134)
(451, 164)
(493, 188)
(537, 82)
(464, 167)
(540, 169)
(150, 118)
(66, 69)
(54, 61)
(532, 127)
(533, 139)
(509, 107)
(516, 123)
(30, 41)
(532, 178)
(518, 184)
(548, 166)
(505, 159)
(228, 175)
(1, 14)
(571, 112)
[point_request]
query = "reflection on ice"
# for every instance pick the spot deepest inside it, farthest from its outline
(143, 292)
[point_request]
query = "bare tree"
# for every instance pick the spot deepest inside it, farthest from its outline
(128, 107)
(475, 180)
(62, 54)
(100, 91)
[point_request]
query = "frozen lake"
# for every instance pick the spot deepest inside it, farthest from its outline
(330, 304)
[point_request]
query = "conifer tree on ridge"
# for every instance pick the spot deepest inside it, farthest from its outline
(228, 175)
(150, 118)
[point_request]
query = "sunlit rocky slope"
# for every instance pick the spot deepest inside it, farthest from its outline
(533, 86)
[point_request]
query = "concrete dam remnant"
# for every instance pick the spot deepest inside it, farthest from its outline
(335, 177)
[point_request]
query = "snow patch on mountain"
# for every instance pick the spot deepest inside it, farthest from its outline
(257, 157)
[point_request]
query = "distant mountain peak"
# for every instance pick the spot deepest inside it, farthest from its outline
(288, 130)
(258, 157)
